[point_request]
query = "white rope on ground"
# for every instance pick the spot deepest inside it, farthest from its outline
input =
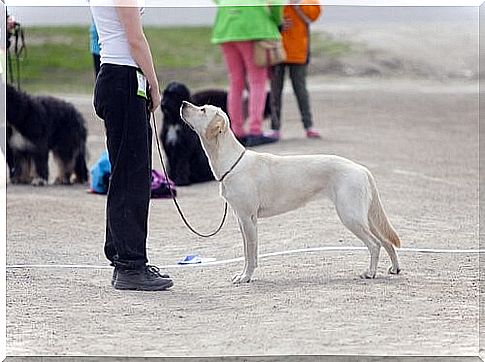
(261, 256)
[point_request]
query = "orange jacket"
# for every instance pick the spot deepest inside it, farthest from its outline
(296, 39)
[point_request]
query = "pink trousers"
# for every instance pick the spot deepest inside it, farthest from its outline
(240, 65)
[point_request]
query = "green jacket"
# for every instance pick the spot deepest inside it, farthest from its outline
(236, 22)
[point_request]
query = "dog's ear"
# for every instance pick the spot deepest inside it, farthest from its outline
(216, 126)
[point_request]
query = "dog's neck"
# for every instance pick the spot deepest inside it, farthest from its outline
(223, 153)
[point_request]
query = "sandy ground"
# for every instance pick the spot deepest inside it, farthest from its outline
(420, 140)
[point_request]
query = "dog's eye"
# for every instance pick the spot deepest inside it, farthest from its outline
(203, 110)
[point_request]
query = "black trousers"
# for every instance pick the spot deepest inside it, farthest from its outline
(128, 137)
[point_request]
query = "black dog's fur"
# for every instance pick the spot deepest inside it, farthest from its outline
(187, 161)
(37, 125)
(218, 98)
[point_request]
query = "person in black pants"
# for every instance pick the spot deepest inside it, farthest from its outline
(126, 92)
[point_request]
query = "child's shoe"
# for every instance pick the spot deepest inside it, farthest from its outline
(312, 133)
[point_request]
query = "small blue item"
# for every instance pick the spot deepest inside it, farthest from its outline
(190, 259)
(100, 173)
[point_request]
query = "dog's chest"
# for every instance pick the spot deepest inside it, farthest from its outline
(19, 142)
(171, 137)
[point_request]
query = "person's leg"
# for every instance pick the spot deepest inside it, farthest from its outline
(237, 75)
(127, 136)
(298, 80)
(257, 78)
(277, 82)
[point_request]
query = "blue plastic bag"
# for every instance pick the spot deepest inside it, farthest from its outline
(100, 173)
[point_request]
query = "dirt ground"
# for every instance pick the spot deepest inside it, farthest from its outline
(418, 137)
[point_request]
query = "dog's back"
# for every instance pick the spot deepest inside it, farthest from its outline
(218, 98)
(215, 97)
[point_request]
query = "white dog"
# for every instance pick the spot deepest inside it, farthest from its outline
(262, 185)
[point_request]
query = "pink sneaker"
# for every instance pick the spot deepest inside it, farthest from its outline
(274, 134)
(312, 133)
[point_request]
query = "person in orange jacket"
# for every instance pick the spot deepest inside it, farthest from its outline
(295, 31)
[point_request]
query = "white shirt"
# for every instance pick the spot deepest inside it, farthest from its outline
(112, 37)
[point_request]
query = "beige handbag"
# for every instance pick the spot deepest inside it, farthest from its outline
(268, 52)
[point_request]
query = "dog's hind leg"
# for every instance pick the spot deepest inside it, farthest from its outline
(23, 170)
(80, 168)
(64, 170)
(41, 168)
(383, 230)
(394, 268)
(354, 217)
(248, 226)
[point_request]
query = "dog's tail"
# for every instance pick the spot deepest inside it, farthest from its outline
(378, 221)
(80, 168)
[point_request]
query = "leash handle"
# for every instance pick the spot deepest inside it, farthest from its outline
(174, 198)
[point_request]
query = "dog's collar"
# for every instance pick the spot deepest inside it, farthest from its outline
(232, 167)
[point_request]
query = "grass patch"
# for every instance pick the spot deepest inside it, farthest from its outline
(182, 47)
(324, 45)
(59, 60)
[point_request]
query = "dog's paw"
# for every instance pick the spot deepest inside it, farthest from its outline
(62, 181)
(241, 278)
(394, 271)
(367, 275)
(38, 182)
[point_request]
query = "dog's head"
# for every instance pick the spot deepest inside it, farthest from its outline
(19, 107)
(208, 121)
(172, 97)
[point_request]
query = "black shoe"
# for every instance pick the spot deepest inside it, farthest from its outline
(147, 278)
(259, 140)
(115, 273)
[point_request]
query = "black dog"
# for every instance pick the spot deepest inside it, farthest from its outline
(37, 125)
(187, 161)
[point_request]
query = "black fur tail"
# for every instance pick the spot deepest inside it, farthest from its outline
(80, 168)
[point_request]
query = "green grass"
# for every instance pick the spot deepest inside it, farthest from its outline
(58, 59)
(182, 47)
(324, 45)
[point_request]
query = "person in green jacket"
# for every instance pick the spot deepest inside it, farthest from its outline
(236, 28)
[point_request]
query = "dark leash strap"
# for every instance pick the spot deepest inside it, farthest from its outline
(174, 198)
(19, 51)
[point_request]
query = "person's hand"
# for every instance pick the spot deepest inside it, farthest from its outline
(155, 98)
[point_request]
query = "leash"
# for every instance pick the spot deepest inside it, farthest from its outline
(19, 52)
(174, 198)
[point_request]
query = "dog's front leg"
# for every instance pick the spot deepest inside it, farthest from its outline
(248, 226)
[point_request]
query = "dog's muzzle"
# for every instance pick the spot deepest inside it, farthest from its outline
(183, 107)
